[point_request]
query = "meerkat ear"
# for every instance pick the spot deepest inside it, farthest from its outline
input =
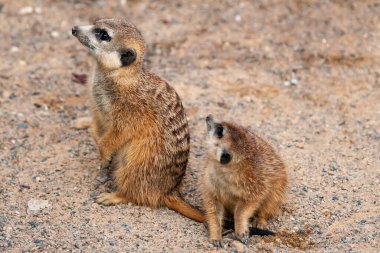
(127, 56)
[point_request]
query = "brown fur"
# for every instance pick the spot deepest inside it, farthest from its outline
(252, 183)
(139, 121)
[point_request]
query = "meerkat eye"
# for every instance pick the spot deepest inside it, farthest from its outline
(219, 130)
(102, 34)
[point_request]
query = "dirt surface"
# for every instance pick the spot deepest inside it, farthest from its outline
(303, 74)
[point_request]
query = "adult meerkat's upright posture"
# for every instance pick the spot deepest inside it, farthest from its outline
(244, 176)
(138, 120)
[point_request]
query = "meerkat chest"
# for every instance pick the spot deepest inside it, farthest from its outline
(102, 93)
(102, 98)
(222, 186)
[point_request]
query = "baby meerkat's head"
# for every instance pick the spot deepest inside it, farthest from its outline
(114, 43)
(218, 137)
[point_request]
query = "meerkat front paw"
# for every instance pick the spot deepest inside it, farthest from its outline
(217, 243)
(261, 223)
(243, 236)
(104, 199)
(111, 198)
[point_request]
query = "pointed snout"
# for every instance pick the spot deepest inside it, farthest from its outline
(209, 119)
(75, 30)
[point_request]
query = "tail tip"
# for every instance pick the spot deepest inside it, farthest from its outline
(261, 232)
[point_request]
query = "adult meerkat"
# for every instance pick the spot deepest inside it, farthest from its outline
(138, 120)
(244, 176)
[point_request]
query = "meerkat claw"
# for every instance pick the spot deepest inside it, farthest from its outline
(104, 199)
(217, 243)
(105, 164)
(261, 224)
(243, 238)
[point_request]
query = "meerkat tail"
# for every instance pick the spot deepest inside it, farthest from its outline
(229, 225)
(178, 204)
(260, 232)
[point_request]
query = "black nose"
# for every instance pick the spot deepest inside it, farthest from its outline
(75, 30)
(209, 118)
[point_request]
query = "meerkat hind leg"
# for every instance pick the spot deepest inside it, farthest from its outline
(243, 212)
(111, 198)
(267, 210)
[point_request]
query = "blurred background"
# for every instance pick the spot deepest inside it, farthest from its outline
(304, 74)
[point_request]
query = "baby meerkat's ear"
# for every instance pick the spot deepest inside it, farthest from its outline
(127, 56)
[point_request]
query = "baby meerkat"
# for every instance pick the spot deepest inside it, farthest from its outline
(138, 120)
(244, 177)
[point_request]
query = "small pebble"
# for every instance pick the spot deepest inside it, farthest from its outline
(54, 34)
(302, 232)
(102, 179)
(22, 126)
(34, 224)
(14, 49)
(36, 205)
(3, 221)
(26, 10)
(38, 242)
(294, 81)
(326, 212)
(39, 179)
(334, 166)
(240, 247)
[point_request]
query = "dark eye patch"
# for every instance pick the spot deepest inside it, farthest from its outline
(218, 130)
(102, 34)
(225, 157)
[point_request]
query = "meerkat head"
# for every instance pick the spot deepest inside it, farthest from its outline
(219, 141)
(114, 43)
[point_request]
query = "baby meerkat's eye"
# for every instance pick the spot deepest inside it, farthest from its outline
(102, 34)
(219, 130)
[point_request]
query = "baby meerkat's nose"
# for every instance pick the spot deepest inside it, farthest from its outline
(75, 30)
(209, 118)
(209, 122)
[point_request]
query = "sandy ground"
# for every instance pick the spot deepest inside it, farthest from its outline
(303, 74)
